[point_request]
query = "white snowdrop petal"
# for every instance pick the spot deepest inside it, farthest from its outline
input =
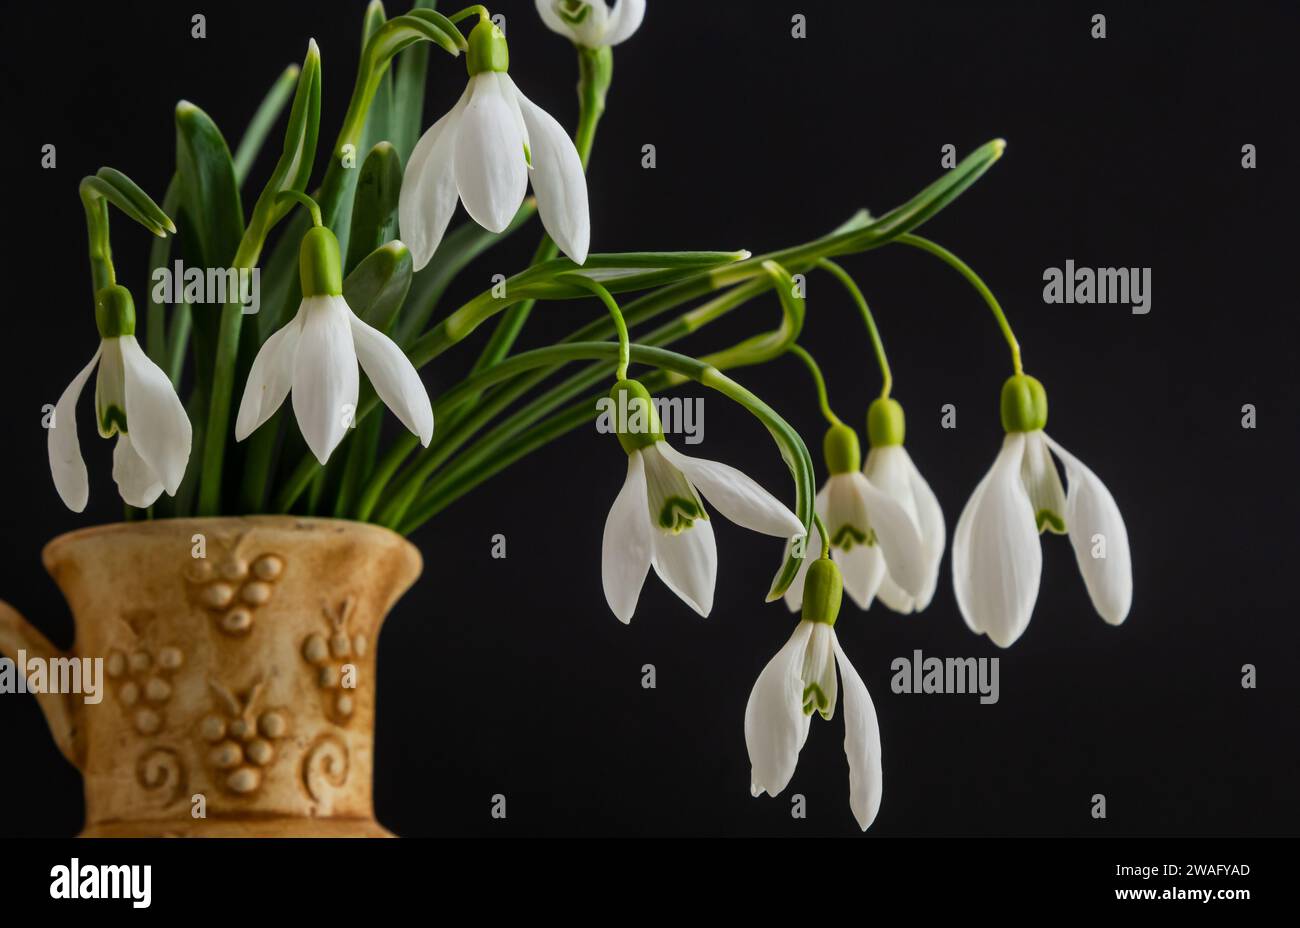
(861, 744)
(775, 724)
(1097, 528)
(136, 481)
(735, 495)
(491, 173)
(897, 536)
(66, 465)
(628, 545)
(155, 417)
(996, 558)
(325, 378)
(269, 379)
(394, 378)
(428, 196)
(558, 180)
(687, 563)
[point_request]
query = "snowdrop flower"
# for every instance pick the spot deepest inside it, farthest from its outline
(134, 399)
(996, 557)
(316, 354)
(889, 468)
(801, 679)
(484, 152)
(593, 24)
(658, 519)
(874, 539)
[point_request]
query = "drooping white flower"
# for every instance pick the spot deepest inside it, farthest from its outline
(890, 469)
(484, 152)
(799, 680)
(874, 539)
(594, 24)
(658, 519)
(135, 400)
(315, 357)
(996, 556)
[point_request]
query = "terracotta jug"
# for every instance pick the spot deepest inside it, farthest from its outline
(238, 672)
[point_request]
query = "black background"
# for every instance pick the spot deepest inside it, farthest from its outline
(511, 676)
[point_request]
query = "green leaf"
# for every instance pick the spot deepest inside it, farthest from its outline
(118, 189)
(379, 120)
(374, 206)
(209, 191)
(378, 285)
(408, 96)
(456, 250)
(293, 170)
(619, 272)
(260, 125)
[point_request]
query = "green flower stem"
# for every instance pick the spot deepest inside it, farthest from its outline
(823, 535)
(406, 491)
(820, 382)
(851, 286)
(615, 314)
(859, 234)
(477, 9)
(793, 450)
(446, 442)
(974, 279)
(595, 71)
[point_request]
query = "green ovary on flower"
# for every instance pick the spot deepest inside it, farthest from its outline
(488, 50)
(841, 449)
(320, 265)
(114, 312)
(1024, 404)
(885, 423)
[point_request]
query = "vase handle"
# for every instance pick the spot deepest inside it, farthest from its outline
(16, 634)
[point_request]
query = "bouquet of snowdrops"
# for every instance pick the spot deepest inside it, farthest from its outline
(349, 286)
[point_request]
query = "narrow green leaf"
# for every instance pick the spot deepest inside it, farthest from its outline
(260, 125)
(377, 286)
(378, 126)
(209, 192)
(374, 206)
(408, 95)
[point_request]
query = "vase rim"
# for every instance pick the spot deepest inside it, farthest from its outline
(161, 526)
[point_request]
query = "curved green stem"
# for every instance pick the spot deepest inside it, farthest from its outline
(792, 447)
(964, 269)
(851, 286)
(823, 535)
(624, 351)
(799, 352)
(299, 197)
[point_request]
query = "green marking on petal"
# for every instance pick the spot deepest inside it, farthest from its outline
(814, 698)
(1048, 520)
(528, 155)
(678, 514)
(112, 420)
(847, 536)
(573, 12)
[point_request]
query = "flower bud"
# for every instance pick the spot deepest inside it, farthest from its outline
(885, 423)
(822, 591)
(319, 264)
(634, 417)
(487, 49)
(1024, 404)
(114, 312)
(841, 450)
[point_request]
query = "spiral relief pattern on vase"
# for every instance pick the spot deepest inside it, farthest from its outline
(325, 766)
(162, 770)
